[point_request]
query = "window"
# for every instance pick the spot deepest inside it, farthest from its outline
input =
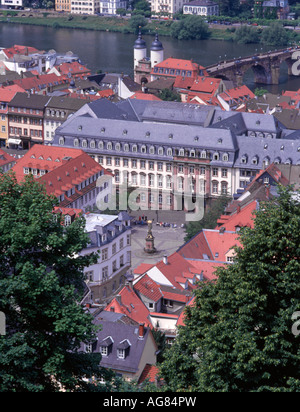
(104, 350)
(215, 171)
(76, 142)
(215, 187)
(224, 188)
(61, 141)
(224, 173)
(143, 180)
(121, 353)
(67, 220)
(105, 254)
(105, 273)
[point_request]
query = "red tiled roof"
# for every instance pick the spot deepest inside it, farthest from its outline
(241, 218)
(149, 373)
(199, 84)
(207, 269)
(181, 318)
(66, 168)
(75, 68)
(39, 82)
(210, 245)
(148, 288)
(131, 305)
(174, 269)
(68, 211)
(7, 93)
(237, 93)
(45, 158)
(177, 297)
(144, 96)
(5, 158)
(142, 268)
(17, 49)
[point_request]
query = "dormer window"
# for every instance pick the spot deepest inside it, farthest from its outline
(123, 349)
(244, 159)
(106, 346)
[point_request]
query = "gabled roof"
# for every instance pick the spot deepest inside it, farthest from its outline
(179, 64)
(150, 373)
(174, 272)
(19, 50)
(119, 333)
(7, 93)
(5, 158)
(144, 96)
(148, 288)
(131, 305)
(243, 217)
(209, 245)
(32, 101)
(45, 158)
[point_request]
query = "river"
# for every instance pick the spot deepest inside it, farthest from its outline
(113, 52)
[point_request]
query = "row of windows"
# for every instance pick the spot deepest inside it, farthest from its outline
(104, 253)
(175, 72)
(144, 149)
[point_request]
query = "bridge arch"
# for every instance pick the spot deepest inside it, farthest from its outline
(261, 74)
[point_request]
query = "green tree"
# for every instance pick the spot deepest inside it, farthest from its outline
(137, 23)
(238, 334)
(247, 35)
(191, 27)
(275, 35)
(169, 96)
(41, 285)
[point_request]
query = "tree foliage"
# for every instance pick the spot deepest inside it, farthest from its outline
(238, 335)
(41, 285)
(191, 27)
(275, 35)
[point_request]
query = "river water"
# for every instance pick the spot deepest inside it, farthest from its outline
(113, 52)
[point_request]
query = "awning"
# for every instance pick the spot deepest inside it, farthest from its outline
(14, 141)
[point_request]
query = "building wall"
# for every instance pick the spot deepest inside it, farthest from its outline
(111, 6)
(85, 7)
(166, 6)
(63, 5)
(201, 10)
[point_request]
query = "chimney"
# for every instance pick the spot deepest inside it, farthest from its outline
(141, 331)
(238, 209)
(165, 259)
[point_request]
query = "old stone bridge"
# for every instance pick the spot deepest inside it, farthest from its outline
(265, 66)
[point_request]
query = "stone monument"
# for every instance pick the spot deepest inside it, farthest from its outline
(149, 248)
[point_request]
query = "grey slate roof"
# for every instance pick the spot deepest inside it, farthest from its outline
(172, 124)
(160, 133)
(120, 333)
(32, 101)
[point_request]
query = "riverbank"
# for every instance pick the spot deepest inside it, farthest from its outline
(101, 23)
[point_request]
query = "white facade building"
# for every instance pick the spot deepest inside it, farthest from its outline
(85, 7)
(110, 237)
(12, 4)
(166, 6)
(201, 8)
(111, 6)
